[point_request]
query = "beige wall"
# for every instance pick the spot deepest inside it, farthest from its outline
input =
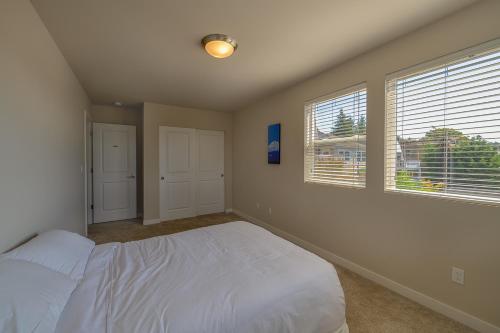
(409, 239)
(41, 130)
(125, 116)
(156, 115)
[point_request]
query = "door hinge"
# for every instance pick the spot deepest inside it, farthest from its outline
(91, 206)
(91, 170)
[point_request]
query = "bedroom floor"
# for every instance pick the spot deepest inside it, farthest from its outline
(371, 308)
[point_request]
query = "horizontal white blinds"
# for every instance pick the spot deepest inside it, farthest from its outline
(335, 138)
(443, 129)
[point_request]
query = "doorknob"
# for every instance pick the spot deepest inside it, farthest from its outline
(131, 177)
(221, 175)
(162, 178)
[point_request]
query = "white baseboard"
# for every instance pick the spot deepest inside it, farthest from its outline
(151, 221)
(228, 210)
(438, 306)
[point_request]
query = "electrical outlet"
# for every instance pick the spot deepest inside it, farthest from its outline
(257, 205)
(270, 211)
(458, 275)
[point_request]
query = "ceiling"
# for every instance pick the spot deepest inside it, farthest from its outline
(149, 50)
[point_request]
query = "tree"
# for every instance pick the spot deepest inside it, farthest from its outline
(451, 157)
(477, 160)
(360, 127)
(344, 125)
(435, 160)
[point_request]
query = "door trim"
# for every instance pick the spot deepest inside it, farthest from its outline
(87, 180)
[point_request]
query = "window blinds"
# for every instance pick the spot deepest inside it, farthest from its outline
(443, 128)
(335, 138)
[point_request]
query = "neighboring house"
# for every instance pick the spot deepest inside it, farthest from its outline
(351, 150)
(409, 152)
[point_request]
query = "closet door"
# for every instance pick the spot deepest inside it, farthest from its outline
(210, 172)
(177, 173)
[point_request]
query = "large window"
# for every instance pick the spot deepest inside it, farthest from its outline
(443, 127)
(335, 138)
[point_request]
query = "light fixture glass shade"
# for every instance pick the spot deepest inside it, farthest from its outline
(219, 46)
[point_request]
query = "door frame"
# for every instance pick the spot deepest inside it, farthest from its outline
(87, 170)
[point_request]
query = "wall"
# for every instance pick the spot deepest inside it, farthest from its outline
(125, 116)
(41, 130)
(156, 115)
(411, 240)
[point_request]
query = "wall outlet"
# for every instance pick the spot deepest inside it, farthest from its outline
(270, 211)
(257, 205)
(458, 275)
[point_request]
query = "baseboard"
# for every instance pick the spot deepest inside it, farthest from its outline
(228, 210)
(438, 306)
(151, 221)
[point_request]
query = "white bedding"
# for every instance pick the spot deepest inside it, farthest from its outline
(234, 277)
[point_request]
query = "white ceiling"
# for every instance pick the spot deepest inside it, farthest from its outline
(149, 50)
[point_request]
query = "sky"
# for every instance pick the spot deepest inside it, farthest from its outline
(464, 96)
(353, 105)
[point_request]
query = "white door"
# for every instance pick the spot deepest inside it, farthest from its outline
(177, 173)
(210, 175)
(114, 166)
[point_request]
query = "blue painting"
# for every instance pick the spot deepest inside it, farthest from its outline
(273, 143)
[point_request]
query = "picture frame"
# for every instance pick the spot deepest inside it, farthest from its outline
(274, 144)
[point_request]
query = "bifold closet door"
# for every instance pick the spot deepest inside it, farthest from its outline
(210, 173)
(191, 172)
(177, 173)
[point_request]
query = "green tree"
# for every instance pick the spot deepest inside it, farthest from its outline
(361, 125)
(435, 160)
(477, 160)
(344, 125)
(449, 156)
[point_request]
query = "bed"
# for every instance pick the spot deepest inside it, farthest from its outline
(233, 277)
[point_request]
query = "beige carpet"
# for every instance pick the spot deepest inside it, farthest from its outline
(371, 308)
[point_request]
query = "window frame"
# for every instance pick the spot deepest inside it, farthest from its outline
(390, 114)
(336, 94)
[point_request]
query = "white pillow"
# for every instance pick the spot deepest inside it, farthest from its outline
(32, 296)
(59, 250)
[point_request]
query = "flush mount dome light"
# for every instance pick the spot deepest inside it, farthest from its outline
(219, 45)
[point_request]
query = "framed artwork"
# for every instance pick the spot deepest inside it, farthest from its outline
(273, 143)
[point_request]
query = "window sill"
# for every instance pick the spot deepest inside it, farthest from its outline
(335, 184)
(448, 197)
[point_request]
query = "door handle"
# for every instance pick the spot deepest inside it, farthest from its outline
(221, 175)
(162, 178)
(131, 177)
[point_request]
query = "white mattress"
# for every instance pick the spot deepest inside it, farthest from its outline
(234, 277)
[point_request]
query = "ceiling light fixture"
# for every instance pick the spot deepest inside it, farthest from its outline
(219, 45)
(117, 103)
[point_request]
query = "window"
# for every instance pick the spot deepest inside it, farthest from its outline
(335, 135)
(443, 127)
(361, 156)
